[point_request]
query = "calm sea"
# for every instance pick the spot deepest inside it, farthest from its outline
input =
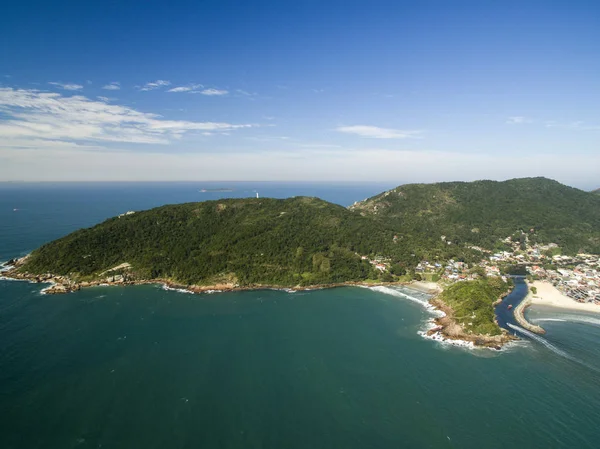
(141, 367)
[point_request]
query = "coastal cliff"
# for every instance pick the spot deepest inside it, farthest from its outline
(451, 327)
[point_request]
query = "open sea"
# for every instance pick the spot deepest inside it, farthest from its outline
(142, 367)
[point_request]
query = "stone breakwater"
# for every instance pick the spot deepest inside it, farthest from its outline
(520, 317)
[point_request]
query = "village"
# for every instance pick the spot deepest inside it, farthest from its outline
(578, 277)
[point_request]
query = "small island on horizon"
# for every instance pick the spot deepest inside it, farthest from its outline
(458, 239)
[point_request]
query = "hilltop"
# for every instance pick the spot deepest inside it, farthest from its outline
(307, 241)
(437, 217)
(295, 241)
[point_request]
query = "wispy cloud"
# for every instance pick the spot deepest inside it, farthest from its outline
(112, 86)
(578, 126)
(154, 85)
(66, 86)
(268, 138)
(188, 88)
(319, 145)
(518, 120)
(211, 92)
(376, 132)
(35, 115)
(246, 93)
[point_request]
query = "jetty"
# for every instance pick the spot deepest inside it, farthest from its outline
(520, 317)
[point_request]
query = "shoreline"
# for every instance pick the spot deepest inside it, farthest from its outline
(548, 295)
(62, 284)
(519, 315)
(443, 328)
(447, 329)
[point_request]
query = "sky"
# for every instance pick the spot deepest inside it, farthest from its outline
(393, 91)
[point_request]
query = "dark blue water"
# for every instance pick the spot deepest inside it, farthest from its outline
(141, 367)
(504, 315)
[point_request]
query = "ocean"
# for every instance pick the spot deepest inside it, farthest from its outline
(142, 367)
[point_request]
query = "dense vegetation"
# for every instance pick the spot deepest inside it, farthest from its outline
(482, 213)
(297, 241)
(307, 241)
(472, 303)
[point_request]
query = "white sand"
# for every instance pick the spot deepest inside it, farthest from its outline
(548, 295)
(427, 287)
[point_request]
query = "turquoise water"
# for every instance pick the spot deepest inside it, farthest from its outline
(128, 367)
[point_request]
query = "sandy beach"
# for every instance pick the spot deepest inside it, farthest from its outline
(548, 295)
(426, 287)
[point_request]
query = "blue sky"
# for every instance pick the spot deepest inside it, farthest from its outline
(331, 90)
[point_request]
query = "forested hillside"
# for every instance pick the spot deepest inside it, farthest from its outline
(307, 241)
(483, 212)
(294, 241)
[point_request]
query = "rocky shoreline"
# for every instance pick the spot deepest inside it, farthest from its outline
(63, 284)
(446, 328)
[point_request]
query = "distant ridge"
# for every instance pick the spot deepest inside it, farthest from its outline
(484, 212)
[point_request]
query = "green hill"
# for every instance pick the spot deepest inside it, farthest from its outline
(307, 241)
(245, 241)
(483, 212)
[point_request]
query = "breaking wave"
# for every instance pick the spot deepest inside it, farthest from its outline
(423, 302)
(179, 290)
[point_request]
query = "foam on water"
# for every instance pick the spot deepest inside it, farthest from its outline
(180, 290)
(429, 324)
(543, 341)
(423, 302)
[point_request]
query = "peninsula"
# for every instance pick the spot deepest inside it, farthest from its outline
(464, 235)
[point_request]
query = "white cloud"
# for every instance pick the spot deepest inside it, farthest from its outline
(212, 92)
(187, 88)
(154, 85)
(577, 126)
(66, 86)
(35, 115)
(518, 120)
(112, 86)
(376, 132)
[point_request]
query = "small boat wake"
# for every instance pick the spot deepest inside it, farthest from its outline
(551, 347)
(541, 340)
